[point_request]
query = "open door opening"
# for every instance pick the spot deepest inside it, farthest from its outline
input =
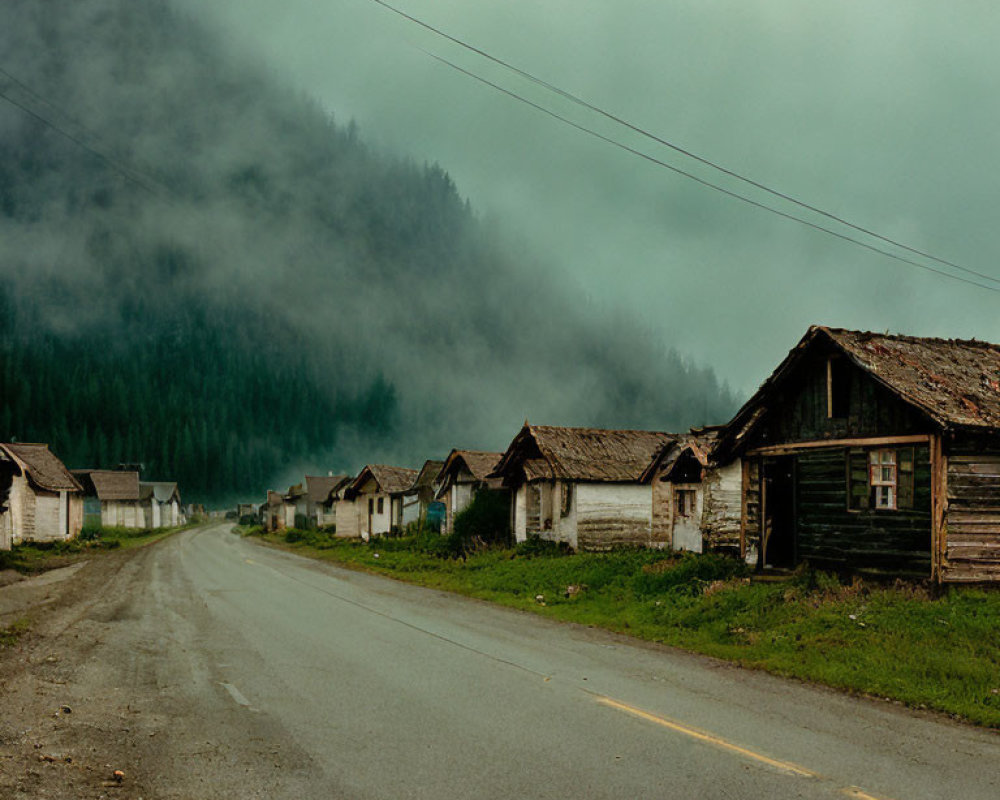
(778, 533)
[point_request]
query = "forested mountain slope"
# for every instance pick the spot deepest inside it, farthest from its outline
(220, 281)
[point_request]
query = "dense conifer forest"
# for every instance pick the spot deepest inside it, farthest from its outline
(203, 271)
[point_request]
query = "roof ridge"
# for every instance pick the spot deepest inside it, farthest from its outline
(905, 337)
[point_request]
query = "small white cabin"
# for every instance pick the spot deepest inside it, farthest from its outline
(40, 501)
(696, 503)
(581, 485)
(380, 493)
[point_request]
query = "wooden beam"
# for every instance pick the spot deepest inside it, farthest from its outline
(744, 479)
(829, 388)
(939, 499)
(875, 441)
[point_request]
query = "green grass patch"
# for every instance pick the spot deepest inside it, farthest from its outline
(33, 557)
(902, 641)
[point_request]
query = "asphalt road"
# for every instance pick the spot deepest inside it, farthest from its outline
(254, 672)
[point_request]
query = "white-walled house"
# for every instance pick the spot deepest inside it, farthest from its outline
(112, 498)
(162, 504)
(345, 512)
(581, 485)
(40, 501)
(464, 473)
(696, 502)
(379, 492)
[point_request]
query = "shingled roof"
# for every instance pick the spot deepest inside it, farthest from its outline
(955, 382)
(41, 467)
(318, 487)
(428, 474)
(698, 442)
(543, 452)
(114, 485)
(391, 480)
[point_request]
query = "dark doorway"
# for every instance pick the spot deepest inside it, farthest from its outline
(779, 517)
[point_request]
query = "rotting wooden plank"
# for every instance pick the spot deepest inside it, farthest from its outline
(875, 441)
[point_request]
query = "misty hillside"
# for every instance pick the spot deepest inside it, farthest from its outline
(219, 280)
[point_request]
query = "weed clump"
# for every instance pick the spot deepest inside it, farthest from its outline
(687, 573)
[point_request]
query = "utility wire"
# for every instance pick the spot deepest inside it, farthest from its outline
(122, 170)
(677, 148)
(703, 182)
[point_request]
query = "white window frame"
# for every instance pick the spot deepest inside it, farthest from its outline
(883, 471)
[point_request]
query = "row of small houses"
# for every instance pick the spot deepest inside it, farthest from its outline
(43, 501)
(860, 451)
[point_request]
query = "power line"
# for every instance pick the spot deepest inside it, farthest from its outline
(124, 171)
(703, 182)
(677, 148)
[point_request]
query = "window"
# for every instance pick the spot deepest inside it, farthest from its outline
(684, 501)
(381, 505)
(880, 479)
(371, 506)
(884, 478)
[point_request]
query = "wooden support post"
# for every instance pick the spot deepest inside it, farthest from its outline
(939, 505)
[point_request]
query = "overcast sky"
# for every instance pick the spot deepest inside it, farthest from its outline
(885, 113)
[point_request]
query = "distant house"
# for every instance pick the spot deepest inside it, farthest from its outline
(424, 487)
(273, 511)
(345, 509)
(581, 485)
(870, 451)
(379, 492)
(295, 502)
(112, 498)
(161, 504)
(464, 473)
(318, 490)
(696, 502)
(40, 501)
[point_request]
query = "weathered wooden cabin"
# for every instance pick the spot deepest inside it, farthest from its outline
(40, 501)
(696, 502)
(162, 504)
(464, 473)
(115, 497)
(581, 485)
(319, 513)
(871, 451)
(380, 492)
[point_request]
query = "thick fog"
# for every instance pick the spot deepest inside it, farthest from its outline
(180, 167)
(881, 112)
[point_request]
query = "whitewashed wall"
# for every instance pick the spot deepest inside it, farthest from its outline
(520, 511)
(609, 514)
(346, 519)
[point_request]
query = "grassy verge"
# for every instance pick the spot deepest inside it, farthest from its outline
(34, 557)
(901, 641)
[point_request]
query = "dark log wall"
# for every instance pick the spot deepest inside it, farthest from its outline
(799, 413)
(830, 535)
(972, 518)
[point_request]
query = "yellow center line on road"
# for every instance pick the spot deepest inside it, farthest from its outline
(718, 741)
